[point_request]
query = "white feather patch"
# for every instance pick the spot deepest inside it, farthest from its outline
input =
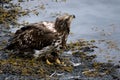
(50, 26)
(37, 53)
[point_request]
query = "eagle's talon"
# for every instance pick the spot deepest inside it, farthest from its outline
(62, 63)
(58, 61)
(48, 62)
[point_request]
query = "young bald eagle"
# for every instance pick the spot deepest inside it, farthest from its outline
(41, 36)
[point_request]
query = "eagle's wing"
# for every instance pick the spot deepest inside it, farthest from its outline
(35, 25)
(33, 36)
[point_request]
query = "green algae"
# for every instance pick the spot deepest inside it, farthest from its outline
(31, 67)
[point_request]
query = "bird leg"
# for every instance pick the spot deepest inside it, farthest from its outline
(55, 56)
(58, 61)
(52, 57)
(48, 62)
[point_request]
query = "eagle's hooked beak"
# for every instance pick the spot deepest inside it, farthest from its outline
(73, 16)
(70, 18)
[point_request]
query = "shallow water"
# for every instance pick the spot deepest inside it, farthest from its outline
(95, 19)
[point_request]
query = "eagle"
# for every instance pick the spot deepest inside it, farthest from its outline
(37, 38)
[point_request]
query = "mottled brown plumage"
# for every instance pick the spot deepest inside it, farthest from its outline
(39, 36)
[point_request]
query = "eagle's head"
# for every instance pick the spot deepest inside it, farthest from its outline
(62, 23)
